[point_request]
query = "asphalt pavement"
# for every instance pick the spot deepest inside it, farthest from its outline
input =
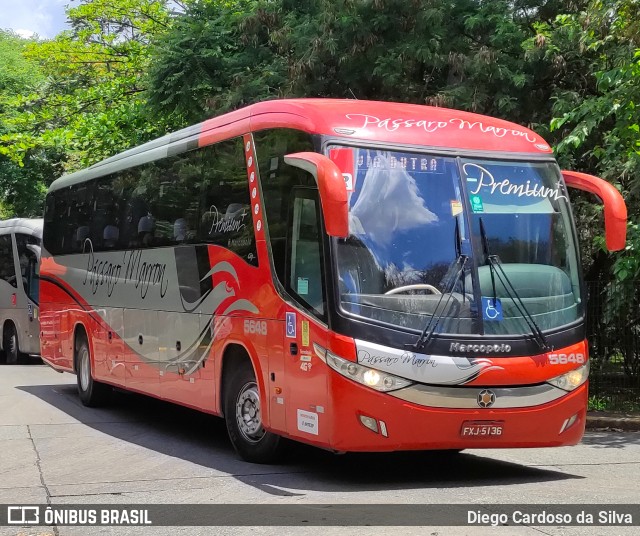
(138, 450)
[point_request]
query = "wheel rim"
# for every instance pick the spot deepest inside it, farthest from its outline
(248, 415)
(84, 368)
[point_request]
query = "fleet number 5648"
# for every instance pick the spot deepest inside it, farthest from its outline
(563, 359)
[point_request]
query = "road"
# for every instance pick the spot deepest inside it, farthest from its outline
(140, 450)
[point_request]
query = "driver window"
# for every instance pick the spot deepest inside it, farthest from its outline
(28, 265)
(305, 251)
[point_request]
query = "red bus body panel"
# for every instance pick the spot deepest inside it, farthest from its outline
(295, 386)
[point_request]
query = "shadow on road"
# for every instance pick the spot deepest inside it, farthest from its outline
(22, 360)
(202, 439)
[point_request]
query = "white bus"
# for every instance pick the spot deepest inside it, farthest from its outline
(20, 241)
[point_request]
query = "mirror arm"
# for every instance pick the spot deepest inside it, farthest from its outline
(615, 210)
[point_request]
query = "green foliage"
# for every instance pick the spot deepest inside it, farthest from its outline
(466, 54)
(597, 124)
(90, 102)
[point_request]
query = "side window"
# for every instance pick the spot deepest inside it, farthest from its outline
(80, 214)
(7, 266)
(278, 181)
(28, 259)
(106, 222)
(59, 230)
(225, 203)
(304, 257)
(195, 197)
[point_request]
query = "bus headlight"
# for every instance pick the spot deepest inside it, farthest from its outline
(571, 380)
(376, 379)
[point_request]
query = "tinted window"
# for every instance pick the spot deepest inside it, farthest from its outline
(195, 197)
(28, 261)
(7, 268)
(305, 252)
(278, 181)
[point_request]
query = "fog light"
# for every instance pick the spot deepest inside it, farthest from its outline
(371, 378)
(370, 423)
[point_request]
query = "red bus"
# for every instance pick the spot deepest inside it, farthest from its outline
(359, 276)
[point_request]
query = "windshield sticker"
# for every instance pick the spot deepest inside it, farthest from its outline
(456, 208)
(481, 178)
(429, 164)
(476, 204)
(343, 158)
(492, 309)
(303, 286)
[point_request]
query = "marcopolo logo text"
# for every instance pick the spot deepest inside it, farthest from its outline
(479, 348)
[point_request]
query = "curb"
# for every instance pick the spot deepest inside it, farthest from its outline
(617, 422)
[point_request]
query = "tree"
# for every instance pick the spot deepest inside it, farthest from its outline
(598, 126)
(21, 187)
(465, 54)
(91, 102)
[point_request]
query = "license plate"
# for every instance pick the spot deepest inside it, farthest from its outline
(482, 429)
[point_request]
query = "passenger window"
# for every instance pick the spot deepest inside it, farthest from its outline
(305, 251)
(7, 266)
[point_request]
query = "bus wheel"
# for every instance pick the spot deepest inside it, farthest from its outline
(243, 416)
(92, 393)
(10, 344)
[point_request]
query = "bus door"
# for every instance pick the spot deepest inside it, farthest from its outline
(307, 401)
(141, 338)
(27, 298)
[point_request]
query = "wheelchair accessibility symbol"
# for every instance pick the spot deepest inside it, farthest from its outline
(290, 321)
(491, 309)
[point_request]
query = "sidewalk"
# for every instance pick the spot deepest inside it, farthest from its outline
(599, 420)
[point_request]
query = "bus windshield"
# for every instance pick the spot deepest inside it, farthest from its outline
(470, 246)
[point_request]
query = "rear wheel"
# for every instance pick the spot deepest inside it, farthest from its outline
(10, 344)
(91, 392)
(243, 416)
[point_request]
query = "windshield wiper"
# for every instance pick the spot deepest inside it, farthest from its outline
(430, 328)
(495, 266)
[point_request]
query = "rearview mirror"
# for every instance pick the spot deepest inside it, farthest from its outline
(615, 210)
(331, 187)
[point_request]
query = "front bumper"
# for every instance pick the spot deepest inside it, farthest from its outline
(410, 426)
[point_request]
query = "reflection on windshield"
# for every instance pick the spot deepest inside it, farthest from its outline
(401, 251)
(404, 242)
(395, 189)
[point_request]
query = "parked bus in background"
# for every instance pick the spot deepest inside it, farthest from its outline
(20, 241)
(360, 276)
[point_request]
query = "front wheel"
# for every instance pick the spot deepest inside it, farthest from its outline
(243, 417)
(91, 392)
(10, 344)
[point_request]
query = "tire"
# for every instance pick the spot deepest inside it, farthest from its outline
(92, 393)
(10, 344)
(244, 417)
